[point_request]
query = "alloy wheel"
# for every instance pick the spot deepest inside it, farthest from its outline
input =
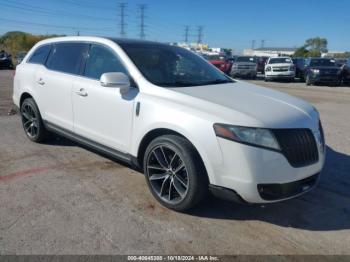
(167, 174)
(30, 121)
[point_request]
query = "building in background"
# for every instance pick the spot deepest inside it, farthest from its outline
(270, 51)
(335, 54)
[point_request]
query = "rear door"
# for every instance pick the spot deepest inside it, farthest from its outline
(56, 81)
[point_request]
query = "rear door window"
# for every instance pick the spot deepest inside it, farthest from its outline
(102, 60)
(40, 54)
(67, 57)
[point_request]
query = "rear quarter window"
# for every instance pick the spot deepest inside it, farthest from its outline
(67, 57)
(40, 55)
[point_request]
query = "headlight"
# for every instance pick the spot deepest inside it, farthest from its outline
(315, 71)
(247, 135)
(292, 68)
(268, 68)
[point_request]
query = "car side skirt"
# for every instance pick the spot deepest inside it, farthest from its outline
(113, 153)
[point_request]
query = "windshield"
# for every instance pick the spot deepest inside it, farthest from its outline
(245, 59)
(280, 60)
(322, 62)
(171, 66)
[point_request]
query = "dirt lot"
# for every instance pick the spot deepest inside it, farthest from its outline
(60, 198)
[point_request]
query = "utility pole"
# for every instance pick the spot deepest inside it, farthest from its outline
(187, 30)
(262, 43)
(253, 44)
(142, 21)
(199, 34)
(122, 24)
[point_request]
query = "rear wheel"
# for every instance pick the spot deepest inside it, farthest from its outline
(32, 122)
(174, 172)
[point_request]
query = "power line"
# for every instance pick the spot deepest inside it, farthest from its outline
(187, 30)
(199, 34)
(262, 43)
(142, 20)
(253, 44)
(21, 22)
(51, 12)
(122, 24)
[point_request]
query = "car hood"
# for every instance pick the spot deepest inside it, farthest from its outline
(280, 64)
(241, 103)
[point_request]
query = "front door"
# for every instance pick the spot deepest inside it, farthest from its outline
(103, 114)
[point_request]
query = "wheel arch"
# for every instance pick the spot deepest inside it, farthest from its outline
(24, 96)
(152, 134)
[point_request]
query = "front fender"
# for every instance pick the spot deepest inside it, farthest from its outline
(196, 129)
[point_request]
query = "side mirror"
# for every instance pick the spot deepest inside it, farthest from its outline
(116, 80)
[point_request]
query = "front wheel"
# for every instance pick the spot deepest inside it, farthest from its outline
(174, 172)
(308, 80)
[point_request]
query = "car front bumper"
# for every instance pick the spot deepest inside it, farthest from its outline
(325, 78)
(259, 175)
(243, 72)
(280, 75)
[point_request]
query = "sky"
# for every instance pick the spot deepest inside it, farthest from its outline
(226, 23)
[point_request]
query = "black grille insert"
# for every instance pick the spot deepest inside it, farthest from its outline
(297, 145)
(280, 191)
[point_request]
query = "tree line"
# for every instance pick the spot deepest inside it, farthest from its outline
(15, 42)
(314, 47)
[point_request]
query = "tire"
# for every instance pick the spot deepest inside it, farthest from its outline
(308, 81)
(32, 122)
(188, 186)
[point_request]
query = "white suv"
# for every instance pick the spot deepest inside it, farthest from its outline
(279, 68)
(190, 128)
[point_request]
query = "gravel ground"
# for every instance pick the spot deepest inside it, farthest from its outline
(60, 198)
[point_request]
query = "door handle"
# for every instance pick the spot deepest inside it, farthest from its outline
(40, 81)
(81, 92)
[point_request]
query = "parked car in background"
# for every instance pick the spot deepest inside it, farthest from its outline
(5, 60)
(20, 57)
(261, 63)
(322, 70)
(232, 58)
(299, 63)
(346, 72)
(220, 61)
(340, 61)
(244, 66)
(191, 128)
(279, 68)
